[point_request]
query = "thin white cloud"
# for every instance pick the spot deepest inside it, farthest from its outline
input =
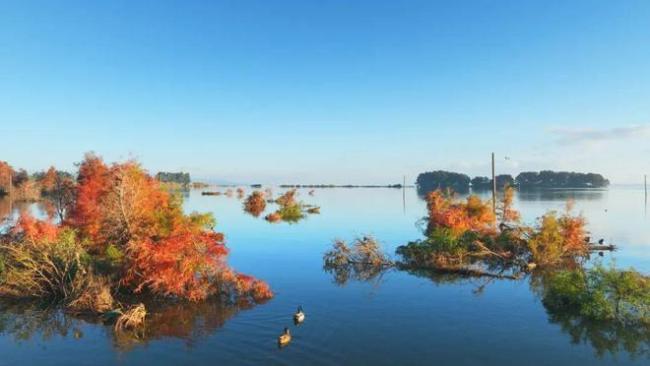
(580, 135)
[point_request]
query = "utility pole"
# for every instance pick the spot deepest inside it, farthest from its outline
(494, 188)
(645, 187)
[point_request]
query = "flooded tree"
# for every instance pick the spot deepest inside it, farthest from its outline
(255, 203)
(598, 293)
(363, 260)
(181, 321)
(557, 237)
(604, 307)
(290, 209)
(465, 242)
(464, 233)
(123, 226)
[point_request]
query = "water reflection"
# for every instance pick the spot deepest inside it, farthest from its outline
(561, 194)
(23, 321)
(479, 283)
(6, 208)
(548, 194)
(341, 275)
(603, 336)
(189, 322)
(9, 210)
(439, 316)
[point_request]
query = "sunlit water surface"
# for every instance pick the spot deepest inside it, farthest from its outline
(395, 319)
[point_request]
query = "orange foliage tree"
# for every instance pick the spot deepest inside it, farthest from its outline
(134, 207)
(574, 230)
(6, 174)
(255, 203)
(92, 184)
(459, 216)
(165, 251)
(17, 183)
(48, 182)
(183, 264)
(34, 230)
(559, 237)
(288, 198)
(507, 214)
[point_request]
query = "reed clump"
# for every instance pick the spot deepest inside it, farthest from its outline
(365, 251)
(96, 298)
(43, 261)
(133, 319)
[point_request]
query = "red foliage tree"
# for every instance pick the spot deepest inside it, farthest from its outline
(167, 252)
(182, 264)
(92, 184)
(162, 250)
(48, 182)
(133, 207)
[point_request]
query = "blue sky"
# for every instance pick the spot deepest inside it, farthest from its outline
(328, 91)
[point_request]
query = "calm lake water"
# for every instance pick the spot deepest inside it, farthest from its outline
(397, 318)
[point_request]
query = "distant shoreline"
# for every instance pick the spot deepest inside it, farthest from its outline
(259, 186)
(344, 186)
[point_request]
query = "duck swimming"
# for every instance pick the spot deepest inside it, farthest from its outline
(284, 338)
(299, 316)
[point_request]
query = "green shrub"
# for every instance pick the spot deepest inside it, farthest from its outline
(291, 213)
(599, 294)
(113, 253)
(441, 247)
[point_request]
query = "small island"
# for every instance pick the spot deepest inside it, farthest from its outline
(114, 240)
(459, 182)
(551, 179)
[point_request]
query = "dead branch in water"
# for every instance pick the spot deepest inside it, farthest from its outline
(462, 271)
